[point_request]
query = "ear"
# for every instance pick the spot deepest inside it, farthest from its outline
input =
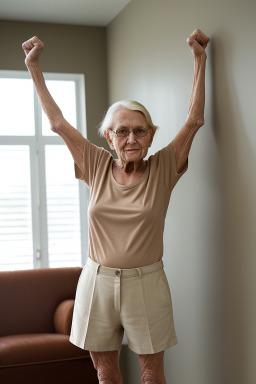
(109, 137)
(152, 137)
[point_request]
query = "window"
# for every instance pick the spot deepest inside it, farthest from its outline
(42, 205)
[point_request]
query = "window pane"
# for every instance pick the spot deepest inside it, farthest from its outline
(64, 243)
(64, 94)
(17, 107)
(16, 246)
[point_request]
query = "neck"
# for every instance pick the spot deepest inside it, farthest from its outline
(130, 167)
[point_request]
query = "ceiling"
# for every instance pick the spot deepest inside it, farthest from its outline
(81, 12)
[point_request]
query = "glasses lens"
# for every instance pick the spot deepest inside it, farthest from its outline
(122, 132)
(140, 132)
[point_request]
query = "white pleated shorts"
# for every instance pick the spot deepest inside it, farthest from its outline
(111, 300)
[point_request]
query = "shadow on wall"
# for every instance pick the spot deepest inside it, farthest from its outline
(237, 160)
(129, 366)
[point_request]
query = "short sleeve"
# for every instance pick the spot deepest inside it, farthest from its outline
(167, 160)
(91, 157)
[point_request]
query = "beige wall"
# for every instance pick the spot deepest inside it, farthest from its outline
(209, 240)
(68, 49)
(209, 243)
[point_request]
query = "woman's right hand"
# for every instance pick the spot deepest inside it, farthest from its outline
(33, 49)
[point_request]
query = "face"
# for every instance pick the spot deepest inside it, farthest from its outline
(125, 118)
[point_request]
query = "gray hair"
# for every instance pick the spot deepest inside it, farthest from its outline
(128, 104)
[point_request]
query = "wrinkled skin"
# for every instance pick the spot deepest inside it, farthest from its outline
(152, 368)
(107, 365)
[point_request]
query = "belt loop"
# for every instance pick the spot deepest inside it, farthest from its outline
(139, 272)
(97, 269)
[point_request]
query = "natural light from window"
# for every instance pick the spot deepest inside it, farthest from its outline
(40, 199)
(16, 105)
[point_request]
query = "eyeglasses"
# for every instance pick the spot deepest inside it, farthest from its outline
(124, 132)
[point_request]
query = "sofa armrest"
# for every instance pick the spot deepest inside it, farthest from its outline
(63, 317)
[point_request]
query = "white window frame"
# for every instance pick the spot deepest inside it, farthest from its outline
(37, 145)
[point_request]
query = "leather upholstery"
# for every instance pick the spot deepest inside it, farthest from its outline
(36, 308)
(63, 317)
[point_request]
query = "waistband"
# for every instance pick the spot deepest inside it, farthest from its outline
(117, 272)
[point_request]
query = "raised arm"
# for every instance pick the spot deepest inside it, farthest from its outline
(182, 142)
(33, 49)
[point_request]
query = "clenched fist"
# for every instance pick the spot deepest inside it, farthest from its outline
(33, 49)
(197, 43)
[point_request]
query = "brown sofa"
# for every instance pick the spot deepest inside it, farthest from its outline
(36, 308)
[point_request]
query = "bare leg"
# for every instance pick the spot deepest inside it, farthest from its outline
(152, 368)
(107, 365)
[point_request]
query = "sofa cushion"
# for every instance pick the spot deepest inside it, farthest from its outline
(29, 298)
(34, 348)
(63, 317)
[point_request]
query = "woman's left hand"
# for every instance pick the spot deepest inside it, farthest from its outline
(197, 43)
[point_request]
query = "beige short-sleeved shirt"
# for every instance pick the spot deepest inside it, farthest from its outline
(126, 222)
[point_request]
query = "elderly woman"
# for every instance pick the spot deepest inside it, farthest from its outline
(123, 285)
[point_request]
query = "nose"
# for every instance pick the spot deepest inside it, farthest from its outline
(131, 137)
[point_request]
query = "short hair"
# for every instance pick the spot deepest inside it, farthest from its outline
(128, 104)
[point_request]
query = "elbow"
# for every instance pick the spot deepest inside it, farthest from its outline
(54, 127)
(195, 123)
(199, 123)
(56, 124)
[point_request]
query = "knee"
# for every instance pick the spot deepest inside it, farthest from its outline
(150, 376)
(107, 372)
(107, 375)
(107, 366)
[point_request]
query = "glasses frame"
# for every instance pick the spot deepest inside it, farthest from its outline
(132, 130)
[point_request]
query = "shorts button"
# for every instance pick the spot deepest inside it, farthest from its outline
(118, 273)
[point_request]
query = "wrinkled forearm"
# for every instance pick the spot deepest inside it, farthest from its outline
(197, 98)
(195, 118)
(48, 104)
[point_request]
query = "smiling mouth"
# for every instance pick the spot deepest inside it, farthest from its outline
(132, 150)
